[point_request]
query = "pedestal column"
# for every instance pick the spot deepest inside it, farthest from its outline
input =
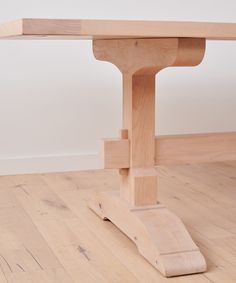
(159, 235)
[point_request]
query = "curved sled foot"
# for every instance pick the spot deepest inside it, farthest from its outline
(160, 235)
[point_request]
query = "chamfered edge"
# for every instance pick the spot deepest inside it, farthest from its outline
(11, 29)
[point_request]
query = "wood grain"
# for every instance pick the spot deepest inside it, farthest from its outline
(176, 149)
(202, 195)
(82, 28)
(140, 60)
(160, 235)
(195, 148)
(115, 153)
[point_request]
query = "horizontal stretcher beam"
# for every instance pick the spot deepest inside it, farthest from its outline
(175, 149)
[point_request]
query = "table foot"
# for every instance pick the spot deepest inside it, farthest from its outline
(159, 234)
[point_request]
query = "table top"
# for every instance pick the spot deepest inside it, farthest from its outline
(107, 29)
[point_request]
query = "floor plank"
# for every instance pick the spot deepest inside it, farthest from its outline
(48, 234)
(23, 250)
(83, 256)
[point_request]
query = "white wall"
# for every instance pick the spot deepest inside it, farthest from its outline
(56, 100)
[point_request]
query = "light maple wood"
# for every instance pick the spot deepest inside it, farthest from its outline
(202, 195)
(82, 28)
(140, 50)
(159, 235)
(139, 60)
(124, 135)
(175, 149)
(135, 210)
(196, 148)
(115, 153)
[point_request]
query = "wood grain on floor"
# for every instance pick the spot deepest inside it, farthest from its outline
(48, 234)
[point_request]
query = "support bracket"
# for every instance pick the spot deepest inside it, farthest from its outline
(159, 234)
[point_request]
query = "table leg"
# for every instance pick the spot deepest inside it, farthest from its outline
(160, 235)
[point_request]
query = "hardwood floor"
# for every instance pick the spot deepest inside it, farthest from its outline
(48, 235)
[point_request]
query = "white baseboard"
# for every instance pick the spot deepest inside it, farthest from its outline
(49, 163)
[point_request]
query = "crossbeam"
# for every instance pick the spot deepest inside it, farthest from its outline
(175, 149)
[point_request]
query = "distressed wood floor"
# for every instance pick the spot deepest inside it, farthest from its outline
(48, 235)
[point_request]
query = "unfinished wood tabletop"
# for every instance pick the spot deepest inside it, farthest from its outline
(69, 28)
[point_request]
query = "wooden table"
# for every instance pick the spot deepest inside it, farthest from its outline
(140, 49)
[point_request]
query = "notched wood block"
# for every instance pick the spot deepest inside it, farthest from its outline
(115, 153)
